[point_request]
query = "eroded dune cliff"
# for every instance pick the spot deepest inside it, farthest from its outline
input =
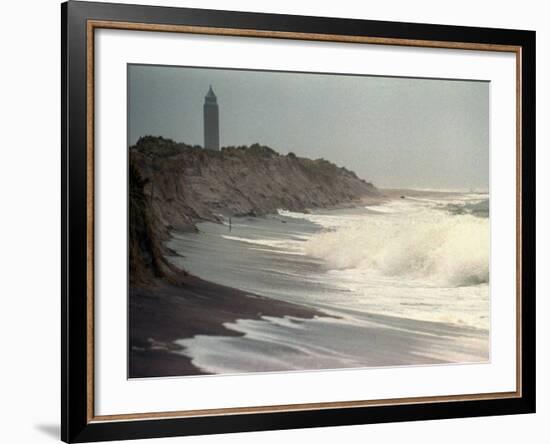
(186, 184)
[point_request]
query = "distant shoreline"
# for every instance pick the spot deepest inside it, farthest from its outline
(396, 192)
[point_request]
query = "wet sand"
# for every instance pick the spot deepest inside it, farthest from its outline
(162, 313)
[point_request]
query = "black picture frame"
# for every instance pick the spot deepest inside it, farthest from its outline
(76, 423)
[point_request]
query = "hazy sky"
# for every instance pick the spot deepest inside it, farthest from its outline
(395, 132)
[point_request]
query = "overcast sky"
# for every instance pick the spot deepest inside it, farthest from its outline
(395, 132)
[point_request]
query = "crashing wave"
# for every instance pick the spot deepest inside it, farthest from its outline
(448, 250)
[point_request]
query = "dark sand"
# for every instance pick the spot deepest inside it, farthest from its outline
(163, 313)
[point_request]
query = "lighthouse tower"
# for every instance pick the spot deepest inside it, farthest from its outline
(211, 121)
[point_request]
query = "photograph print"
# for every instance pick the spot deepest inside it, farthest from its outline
(293, 221)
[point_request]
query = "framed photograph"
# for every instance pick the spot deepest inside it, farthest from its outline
(275, 221)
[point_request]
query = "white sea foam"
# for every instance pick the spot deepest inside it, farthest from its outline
(283, 246)
(450, 250)
(429, 244)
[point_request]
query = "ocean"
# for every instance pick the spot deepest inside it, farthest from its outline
(402, 282)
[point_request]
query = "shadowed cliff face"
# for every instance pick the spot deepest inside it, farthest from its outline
(186, 184)
(146, 251)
